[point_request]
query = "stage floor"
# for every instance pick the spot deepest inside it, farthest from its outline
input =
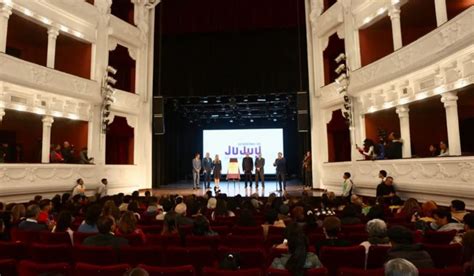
(294, 188)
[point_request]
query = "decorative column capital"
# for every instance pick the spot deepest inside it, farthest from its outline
(47, 121)
(449, 99)
(5, 10)
(53, 32)
(402, 111)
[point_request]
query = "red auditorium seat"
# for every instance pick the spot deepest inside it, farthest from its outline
(450, 271)
(347, 271)
(310, 272)
(337, 257)
(223, 230)
(97, 255)
(8, 267)
(248, 257)
(353, 228)
(186, 229)
(377, 256)
(82, 269)
(163, 240)
(243, 241)
(209, 271)
(212, 241)
(29, 268)
(141, 255)
(151, 229)
(51, 253)
(80, 237)
(315, 237)
(273, 240)
(356, 237)
(185, 270)
(133, 239)
(248, 231)
(276, 231)
(445, 255)
(54, 238)
(14, 250)
(28, 237)
(196, 256)
(433, 237)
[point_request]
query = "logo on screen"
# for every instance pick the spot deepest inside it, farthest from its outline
(244, 149)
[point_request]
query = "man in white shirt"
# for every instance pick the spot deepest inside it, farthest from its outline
(102, 189)
(79, 189)
(347, 186)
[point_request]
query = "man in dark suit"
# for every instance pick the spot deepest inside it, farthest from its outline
(259, 172)
(280, 164)
(31, 222)
(207, 169)
(247, 167)
(106, 227)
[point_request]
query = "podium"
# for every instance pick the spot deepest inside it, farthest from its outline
(233, 170)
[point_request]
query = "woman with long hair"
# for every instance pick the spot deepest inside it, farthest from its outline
(170, 226)
(217, 164)
(18, 213)
(369, 150)
(127, 225)
(110, 209)
(409, 208)
(63, 224)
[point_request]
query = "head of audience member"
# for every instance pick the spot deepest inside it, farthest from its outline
(170, 223)
(246, 218)
(167, 204)
(346, 175)
(458, 206)
(64, 221)
(428, 207)
(2, 227)
(270, 216)
(201, 226)
(442, 216)
(411, 206)
(443, 146)
(433, 150)
(104, 181)
(382, 174)
(297, 249)
(37, 198)
(349, 211)
(106, 225)
(32, 212)
(389, 181)
(357, 200)
(137, 271)
(80, 182)
(45, 205)
(65, 197)
(66, 145)
(468, 222)
(212, 203)
(331, 227)
(110, 209)
(400, 267)
(297, 214)
(127, 223)
(57, 148)
(135, 195)
(400, 235)
(220, 208)
(92, 214)
(18, 212)
(133, 206)
(181, 209)
(377, 230)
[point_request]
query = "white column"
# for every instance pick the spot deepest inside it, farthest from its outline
(441, 12)
(404, 116)
(46, 142)
(449, 99)
(53, 33)
(5, 12)
(394, 14)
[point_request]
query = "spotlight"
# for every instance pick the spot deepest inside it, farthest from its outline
(251, 120)
(231, 121)
(341, 78)
(106, 113)
(346, 114)
(340, 57)
(106, 121)
(346, 98)
(347, 106)
(110, 80)
(340, 68)
(275, 120)
(341, 89)
(111, 70)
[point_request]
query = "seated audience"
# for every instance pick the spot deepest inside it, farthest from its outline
(298, 217)
(134, 207)
(201, 227)
(3, 234)
(394, 147)
(331, 229)
(427, 209)
(271, 219)
(105, 237)
(298, 258)
(377, 211)
(124, 204)
(110, 209)
(377, 230)
(246, 218)
(31, 222)
(403, 247)
(89, 225)
(63, 224)
(127, 225)
(458, 210)
(409, 208)
(399, 267)
(18, 213)
(434, 151)
(45, 206)
(170, 224)
(386, 188)
(55, 155)
(167, 207)
(181, 218)
(220, 210)
(444, 222)
(443, 149)
(349, 216)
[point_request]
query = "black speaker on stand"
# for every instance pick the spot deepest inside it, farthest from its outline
(158, 116)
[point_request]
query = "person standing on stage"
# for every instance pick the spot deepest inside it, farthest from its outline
(307, 170)
(217, 165)
(259, 171)
(280, 164)
(196, 170)
(247, 167)
(207, 169)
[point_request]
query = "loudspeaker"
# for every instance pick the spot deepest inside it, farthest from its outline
(158, 116)
(303, 114)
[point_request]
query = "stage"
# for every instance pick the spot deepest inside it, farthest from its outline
(294, 188)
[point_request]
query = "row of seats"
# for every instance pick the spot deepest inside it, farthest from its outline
(29, 268)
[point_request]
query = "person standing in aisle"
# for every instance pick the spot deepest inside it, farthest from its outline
(259, 170)
(196, 170)
(280, 164)
(207, 169)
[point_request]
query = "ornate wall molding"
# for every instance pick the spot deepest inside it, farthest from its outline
(127, 34)
(329, 20)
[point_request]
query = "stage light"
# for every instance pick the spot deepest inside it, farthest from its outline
(275, 113)
(111, 70)
(340, 68)
(251, 120)
(110, 80)
(341, 89)
(218, 100)
(231, 121)
(261, 100)
(340, 57)
(341, 78)
(215, 116)
(346, 98)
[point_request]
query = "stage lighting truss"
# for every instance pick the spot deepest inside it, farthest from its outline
(108, 92)
(342, 82)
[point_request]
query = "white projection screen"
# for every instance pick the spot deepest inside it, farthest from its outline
(235, 143)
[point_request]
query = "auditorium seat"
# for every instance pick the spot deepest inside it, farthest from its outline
(196, 256)
(449, 271)
(347, 271)
(315, 237)
(353, 228)
(151, 229)
(30, 268)
(337, 257)
(276, 231)
(51, 253)
(248, 257)
(141, 255)
(212, 241)
(247, 231)
(8, 267)
(14, 250)
(222, 230)
(98, 255)
(356, 238)
(80, 237)
(243, 241)
(185, 270)
(54, 238)
(163, 240)
(434, 237)
(445, 255)
(273, 240)
(377, 256)
(322, 271)
(133, 239)
(28, 237)
(209, 271)
(186, 229)
(100, 270)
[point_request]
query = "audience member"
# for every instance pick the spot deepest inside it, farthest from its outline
(201, 227)
(167, 206)
(444, 222)
(55, 155)
(137, 271)
(110, 209)
(63, 224)
(443, 149)
(80, 188)
(427, 209)
(45, 207)
(134, 207)
(105, 237)
(394, 147)
(458, 210)
(181, 218)
(18, 213)
(3, 234)
(349, 215)
(409, 208)
(246, 218)
(127, 225)
(399, 267)
(89, 225)
(170, 225)
(102, 189)
(434, 151)
(386, 189)
(401, 239)
(68, 152)
(220, 210)
(31, 222)
(377, 230)
(369, 150)
(331, 229)
(84, 158)
(347, 186)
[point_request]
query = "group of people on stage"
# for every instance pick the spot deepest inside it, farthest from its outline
(214, 167)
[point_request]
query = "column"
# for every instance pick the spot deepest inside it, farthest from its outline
(441, 12)
(46, 142)
(394, 14)
(53, 33)
(5, 12)
(449, 99)
(2, 113)
(403, 115)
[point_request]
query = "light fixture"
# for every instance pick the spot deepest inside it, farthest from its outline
(111, 70)
(341, 78)
(340, 57)
(251, 120)
(110, 80)
(78, 34)
(340, 68)
(341, 89)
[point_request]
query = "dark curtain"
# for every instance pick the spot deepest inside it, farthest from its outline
(119, 142)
